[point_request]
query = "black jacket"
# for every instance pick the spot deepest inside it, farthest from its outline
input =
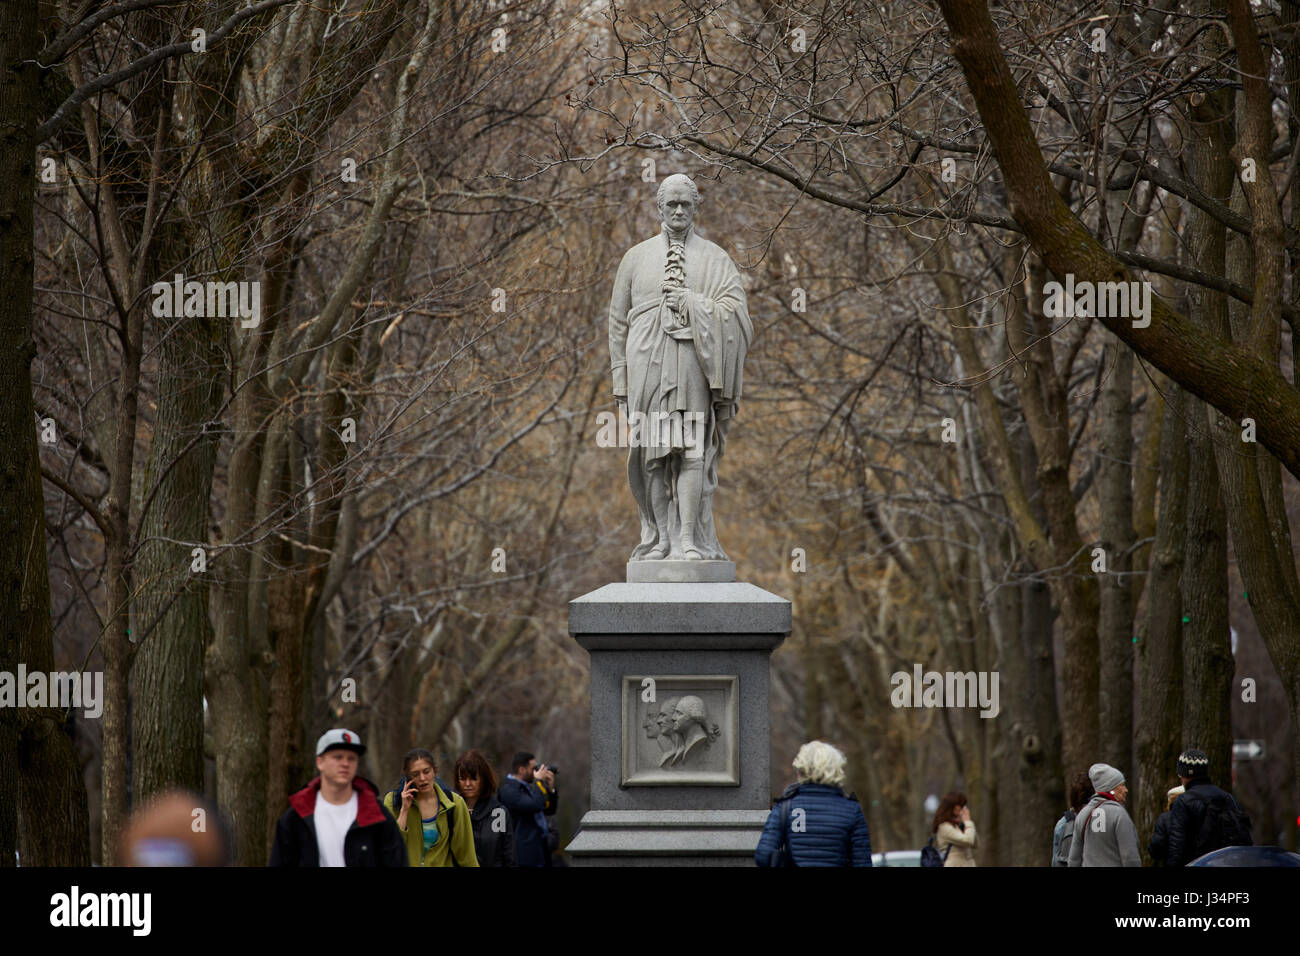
(1186, 817)
(1159, 845)
(523, 800)
(372, 840)
(494, 833)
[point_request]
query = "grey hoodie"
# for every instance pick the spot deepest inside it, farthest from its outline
(1110, 838)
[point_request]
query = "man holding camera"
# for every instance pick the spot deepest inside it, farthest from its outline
(529, 793)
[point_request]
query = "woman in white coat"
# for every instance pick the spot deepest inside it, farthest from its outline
(954, 831)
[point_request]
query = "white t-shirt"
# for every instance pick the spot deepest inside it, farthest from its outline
(332, 823)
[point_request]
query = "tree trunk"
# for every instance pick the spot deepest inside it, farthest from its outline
(239, 657)
(167, 705)
(1159, 648)
(1042, 393)
(19, 44)
(285, 627)
(1115, 496)
(1042, 776)
(116, 640)
(1207, 652)
(1249, 476)
(43, 813)
(1038, 747)
(1036, 723)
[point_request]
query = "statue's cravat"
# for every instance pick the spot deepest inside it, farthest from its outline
(675, 277)
(675, 268)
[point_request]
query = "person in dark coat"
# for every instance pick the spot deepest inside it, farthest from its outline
(529, 793)
(494, 831)
(826, 827)
(1159, 845)
(336, 820)
(1187, 817)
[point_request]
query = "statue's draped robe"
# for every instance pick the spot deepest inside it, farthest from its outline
(656, 363)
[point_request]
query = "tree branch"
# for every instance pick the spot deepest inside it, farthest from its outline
(106, 80)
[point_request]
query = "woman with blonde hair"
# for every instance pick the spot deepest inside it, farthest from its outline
(813, 822)
(1159, 845)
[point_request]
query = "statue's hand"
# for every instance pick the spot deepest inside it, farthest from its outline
(675, 298)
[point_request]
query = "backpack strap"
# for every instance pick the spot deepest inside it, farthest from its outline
(785, 828)
(1084, 832)
(451, 826)
(930, 845)
(451, 832)
(784, 854)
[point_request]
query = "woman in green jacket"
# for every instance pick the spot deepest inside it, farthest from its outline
(435, 824)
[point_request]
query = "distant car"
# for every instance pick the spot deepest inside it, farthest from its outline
(1248, 856)
(897, 858)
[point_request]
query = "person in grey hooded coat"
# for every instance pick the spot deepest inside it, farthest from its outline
(1104, 834)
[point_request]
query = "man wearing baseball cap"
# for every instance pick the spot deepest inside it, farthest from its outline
(336, 820)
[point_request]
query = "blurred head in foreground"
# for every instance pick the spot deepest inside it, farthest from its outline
(175, 828)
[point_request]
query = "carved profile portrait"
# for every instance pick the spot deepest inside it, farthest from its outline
(691, 724)
(670, 741)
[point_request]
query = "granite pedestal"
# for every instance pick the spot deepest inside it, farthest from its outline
(680, 727)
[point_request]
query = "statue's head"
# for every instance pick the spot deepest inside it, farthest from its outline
(651, 724)
(690, 710)
(678, 201)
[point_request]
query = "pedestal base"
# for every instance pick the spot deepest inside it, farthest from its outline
(680, 726)
(669, 571)
(667, 838)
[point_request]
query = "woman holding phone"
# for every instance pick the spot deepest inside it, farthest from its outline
(435, 825)
(954, 830)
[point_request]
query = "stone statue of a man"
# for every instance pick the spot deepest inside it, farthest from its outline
(679, 329)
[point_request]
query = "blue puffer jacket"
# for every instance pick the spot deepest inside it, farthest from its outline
(831, 831)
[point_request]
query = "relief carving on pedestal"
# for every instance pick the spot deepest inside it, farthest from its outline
(687, 733)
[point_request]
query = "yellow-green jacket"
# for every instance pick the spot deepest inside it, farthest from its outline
(440, 854)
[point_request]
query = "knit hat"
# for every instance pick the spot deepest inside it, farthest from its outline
(1193, 763)
(1104, 777)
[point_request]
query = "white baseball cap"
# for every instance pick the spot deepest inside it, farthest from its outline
(340, 739)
